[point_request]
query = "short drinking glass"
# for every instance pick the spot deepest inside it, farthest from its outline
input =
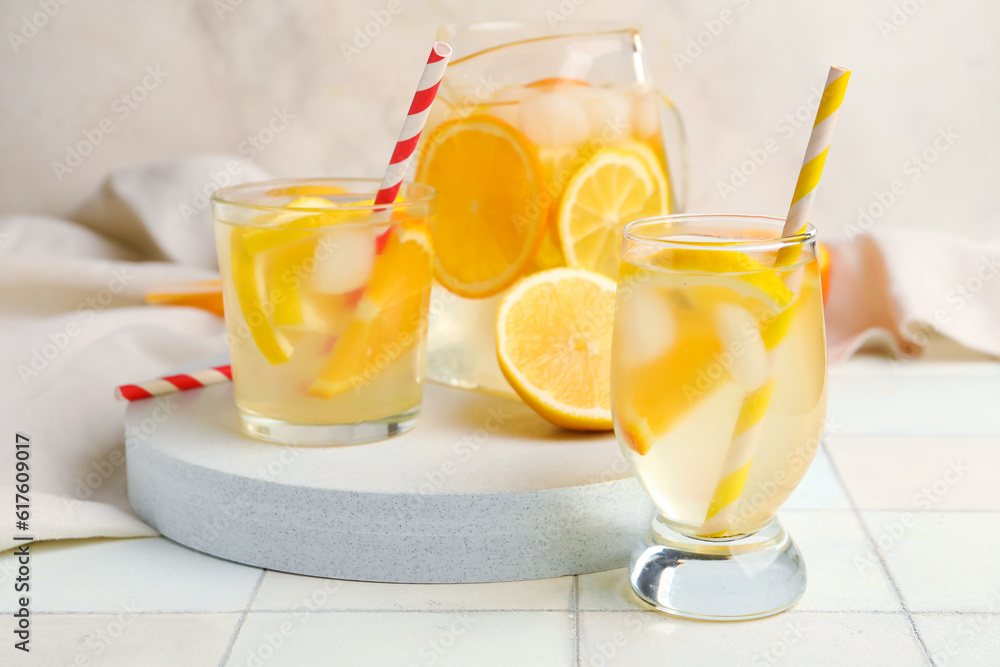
(326, 300)
(719, 400)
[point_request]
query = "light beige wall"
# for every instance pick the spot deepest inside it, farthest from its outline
(226, 66)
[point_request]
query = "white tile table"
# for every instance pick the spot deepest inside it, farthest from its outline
(898, 520)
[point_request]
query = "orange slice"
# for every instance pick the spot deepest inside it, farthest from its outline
(823, 259)
(389, 318)
(491, 213)
(204, 294)
(553, 333)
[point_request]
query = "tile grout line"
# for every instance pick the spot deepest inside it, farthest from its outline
(878, 553)
(243, 618)
(576, 619)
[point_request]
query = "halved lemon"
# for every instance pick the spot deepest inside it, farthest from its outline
(553, 331)
(617, 185)
(491, 204)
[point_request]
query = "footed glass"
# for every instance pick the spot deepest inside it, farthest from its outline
(718, 388)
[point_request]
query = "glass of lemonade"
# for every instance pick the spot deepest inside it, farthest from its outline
(718, 394)
(541, 146)
(326, 299)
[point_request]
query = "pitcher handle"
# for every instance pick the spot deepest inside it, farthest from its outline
(675, 148)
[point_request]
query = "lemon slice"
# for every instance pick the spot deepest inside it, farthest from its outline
(276, 230)
(553, 331)
(741, 271)
(616, 186)
(251, 294)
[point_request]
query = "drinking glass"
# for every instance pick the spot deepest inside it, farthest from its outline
(718, 393)
(326, 300)
(524, 142)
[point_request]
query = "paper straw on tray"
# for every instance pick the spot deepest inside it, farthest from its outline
(172, 384)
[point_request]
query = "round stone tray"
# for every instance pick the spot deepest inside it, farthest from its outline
(481, 490)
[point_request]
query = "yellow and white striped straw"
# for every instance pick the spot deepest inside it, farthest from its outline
(819, 145)
(721, 514)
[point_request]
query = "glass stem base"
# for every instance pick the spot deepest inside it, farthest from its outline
(320, 435)
(724, 579)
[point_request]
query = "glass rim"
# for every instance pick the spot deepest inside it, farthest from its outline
(578, 28)
(224, 196)
(631, 233)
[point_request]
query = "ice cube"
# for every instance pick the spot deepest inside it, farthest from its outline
(743, 349)
(344, 260)
(505, 105)
(609, 113)
(646, 326)
(553, 119)
(646, 115)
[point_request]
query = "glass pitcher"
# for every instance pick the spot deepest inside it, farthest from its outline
(542, 145)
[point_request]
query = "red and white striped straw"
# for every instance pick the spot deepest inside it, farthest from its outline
(171, 384)
(416, 118)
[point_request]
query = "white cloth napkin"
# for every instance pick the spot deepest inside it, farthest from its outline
(72, 324)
